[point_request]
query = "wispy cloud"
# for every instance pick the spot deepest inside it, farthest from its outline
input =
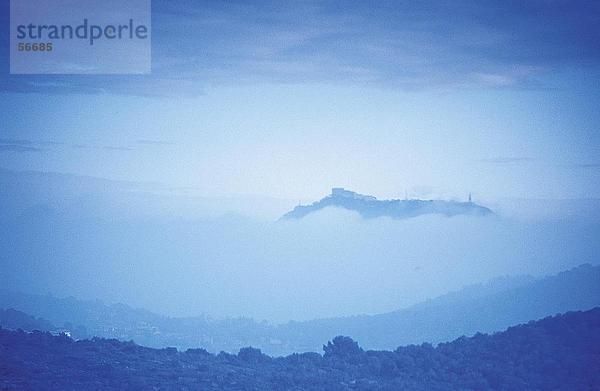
(18, 145)
(507, 160)
(154, 142)
(102, 147)
(584, 165)
(114, 148)
(15, 141)
(18, 148)
(22, 145)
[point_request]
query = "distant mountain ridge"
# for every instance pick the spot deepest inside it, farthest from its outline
(484, 308)
(370, 207)
(479, 308)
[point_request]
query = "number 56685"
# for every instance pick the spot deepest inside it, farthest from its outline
(35, 47)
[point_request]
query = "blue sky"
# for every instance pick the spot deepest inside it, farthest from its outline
(288, 99)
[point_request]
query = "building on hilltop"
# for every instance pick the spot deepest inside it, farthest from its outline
(341, 192)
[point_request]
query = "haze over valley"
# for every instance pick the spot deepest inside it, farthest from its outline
(141, 250)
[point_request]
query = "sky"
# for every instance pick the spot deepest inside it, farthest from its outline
(437, 99)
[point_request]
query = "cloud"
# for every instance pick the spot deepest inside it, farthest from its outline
(18, 145)
(490, 44)
(21, 145)
(104, 147)
(15, 141)
(154, 142)
(113, 148)
(18, 148)
(584, 165)
(507, 160)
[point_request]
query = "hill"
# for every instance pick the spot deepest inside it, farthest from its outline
(370, 207)
(558, 353)
(13, 319)
(87, 318)
(479, 308)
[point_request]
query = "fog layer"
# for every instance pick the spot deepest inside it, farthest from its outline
(148, 251)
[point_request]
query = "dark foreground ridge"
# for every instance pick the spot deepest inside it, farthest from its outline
(371, 207)
(558, 353)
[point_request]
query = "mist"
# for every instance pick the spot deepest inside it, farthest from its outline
(147, 250)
